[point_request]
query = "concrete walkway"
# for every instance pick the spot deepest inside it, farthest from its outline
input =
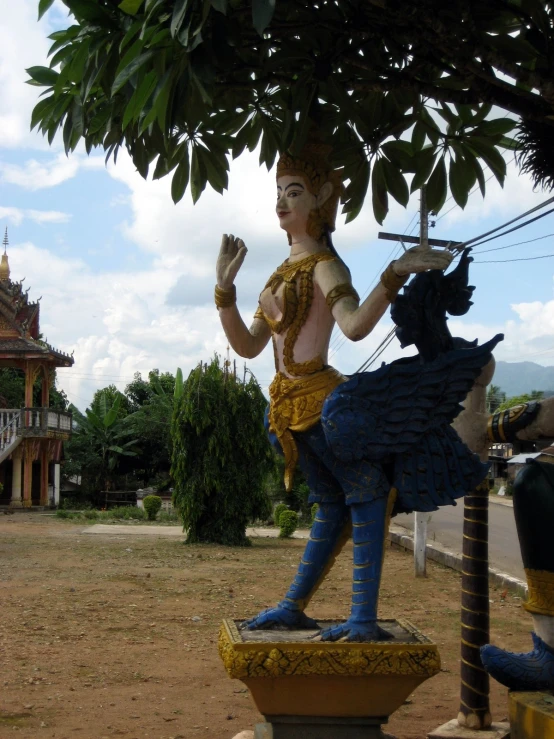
(449, 556)
(145, 530)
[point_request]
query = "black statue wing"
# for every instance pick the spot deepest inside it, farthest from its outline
(376, 414)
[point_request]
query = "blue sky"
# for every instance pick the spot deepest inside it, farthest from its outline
(126, 277)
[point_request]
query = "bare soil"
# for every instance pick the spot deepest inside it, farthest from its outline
(114, 636)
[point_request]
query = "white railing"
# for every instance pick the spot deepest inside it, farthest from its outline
(10, 421)
(31, 422)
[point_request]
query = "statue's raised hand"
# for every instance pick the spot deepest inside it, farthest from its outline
(230, 259)
(421, 258)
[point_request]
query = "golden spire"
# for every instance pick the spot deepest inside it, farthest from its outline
(4, 265)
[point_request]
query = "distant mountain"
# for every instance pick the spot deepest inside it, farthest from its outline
(516, 378)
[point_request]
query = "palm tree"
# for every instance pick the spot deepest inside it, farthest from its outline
(105, 437)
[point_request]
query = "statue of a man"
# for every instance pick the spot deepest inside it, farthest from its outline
(298, 308)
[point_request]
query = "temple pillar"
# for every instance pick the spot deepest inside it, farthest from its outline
(30, 375)
(44, 461)
(57, 482)
(45, 395)
(27, 478)
(16, 501)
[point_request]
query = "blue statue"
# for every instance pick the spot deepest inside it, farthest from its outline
(534, 515)
(374, 444)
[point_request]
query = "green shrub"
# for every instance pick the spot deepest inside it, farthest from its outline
(90, 514)
(125, 512)
(152, 505)
(277, 512)
(288, 522)
(60, 513)
(313, 511)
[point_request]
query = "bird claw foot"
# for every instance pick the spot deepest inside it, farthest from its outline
(527, 671)
(352, 631)
(280, 619)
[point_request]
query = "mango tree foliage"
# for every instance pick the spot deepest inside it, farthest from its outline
(406, 92)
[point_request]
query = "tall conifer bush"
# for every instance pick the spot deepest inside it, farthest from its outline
(221, 455)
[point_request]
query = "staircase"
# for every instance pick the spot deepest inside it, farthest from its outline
(10, 422)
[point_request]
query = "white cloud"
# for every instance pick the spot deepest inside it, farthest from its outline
(17, 215)
(34, 175)
(23, 44)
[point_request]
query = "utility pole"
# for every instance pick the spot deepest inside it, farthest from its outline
(421, 519)
(474, 714)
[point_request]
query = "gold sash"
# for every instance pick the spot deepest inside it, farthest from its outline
(295, 405)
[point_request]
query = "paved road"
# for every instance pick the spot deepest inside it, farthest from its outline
(446, 524)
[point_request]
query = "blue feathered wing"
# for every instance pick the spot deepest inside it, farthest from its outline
(401, 413)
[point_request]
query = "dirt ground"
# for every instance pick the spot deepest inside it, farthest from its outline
(113, 636)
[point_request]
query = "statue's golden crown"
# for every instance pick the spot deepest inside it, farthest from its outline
(312, 162)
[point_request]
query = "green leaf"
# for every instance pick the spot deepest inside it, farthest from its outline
(436, 187)
(131, 7)
(125, 75)
(199, 176)
(424, 163)
(262, 14)
(179, 12)
(219, 5)
(498, 127)
(42, 76)
(379, 192)
(139, 98)
(396, 184)
(491, 156)
(418, 136)
(457, 181)
(43, 6)
(181, 177)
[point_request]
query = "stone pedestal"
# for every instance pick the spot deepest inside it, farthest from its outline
(334, 690)
(531, 715)
(316, 727)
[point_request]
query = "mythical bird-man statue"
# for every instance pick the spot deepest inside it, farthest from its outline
(373, 444)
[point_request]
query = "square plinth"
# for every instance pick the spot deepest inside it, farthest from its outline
(289, 674)
(531, 715)
(453, 730)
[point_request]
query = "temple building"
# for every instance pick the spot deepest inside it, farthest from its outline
(31, 437)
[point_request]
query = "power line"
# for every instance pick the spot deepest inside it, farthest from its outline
(519, 243)
(521, 259)
(481, 238)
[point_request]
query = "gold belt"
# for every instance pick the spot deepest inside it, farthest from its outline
(295, 405)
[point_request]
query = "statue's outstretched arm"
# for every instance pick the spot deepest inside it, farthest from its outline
(356, 320)
(246, 342)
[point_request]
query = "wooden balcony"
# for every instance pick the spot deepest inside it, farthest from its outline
(16, 423)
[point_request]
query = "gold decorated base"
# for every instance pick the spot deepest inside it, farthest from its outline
(289, 675)
(531, 715)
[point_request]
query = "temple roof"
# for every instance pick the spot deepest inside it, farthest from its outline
(19, 323)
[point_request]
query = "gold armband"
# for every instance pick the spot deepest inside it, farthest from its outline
(259, 314)
(392, 282)
(341, 291)
(225, 298)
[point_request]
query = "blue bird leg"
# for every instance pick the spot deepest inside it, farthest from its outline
(368, 531)
(325, 537)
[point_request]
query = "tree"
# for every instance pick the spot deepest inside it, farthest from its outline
(12, 390)
(495, 396)
(520, 399)
(152, 403)
(101, 438)
(221, 455)
(397, 88)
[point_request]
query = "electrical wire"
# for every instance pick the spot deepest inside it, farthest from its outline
(501, 261)
(481, 238)
(380, 349)
(509, 246)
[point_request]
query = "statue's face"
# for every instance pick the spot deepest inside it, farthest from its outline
(294, 203)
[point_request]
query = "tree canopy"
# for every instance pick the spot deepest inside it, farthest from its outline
(398, 89)
(221, 455)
